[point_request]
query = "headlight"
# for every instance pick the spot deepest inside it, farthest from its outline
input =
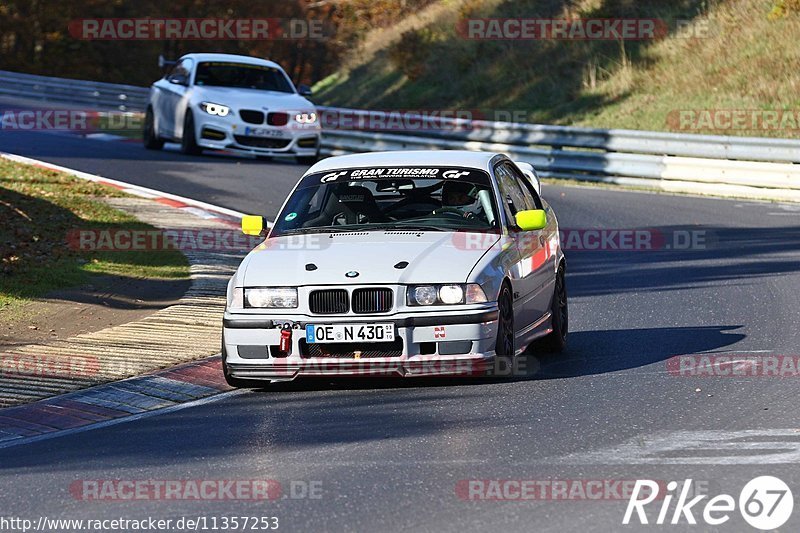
(236, 298)
(306, 118)
(275, 298)
(450, 294)
(215, 109)
(475, 294)
(422, 295)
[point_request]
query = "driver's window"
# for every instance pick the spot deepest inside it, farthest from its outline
(513, 198)
(532, 200)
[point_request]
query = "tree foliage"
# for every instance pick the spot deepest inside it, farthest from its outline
(35, 36)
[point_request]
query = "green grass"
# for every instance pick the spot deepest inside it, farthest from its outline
(117, 123)
(39, 208)
(747, 60)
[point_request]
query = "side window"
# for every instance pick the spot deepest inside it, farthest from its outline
(532, 199)
(512, 196)
(182, 68)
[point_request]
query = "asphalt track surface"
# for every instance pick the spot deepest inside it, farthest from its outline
(391, 455)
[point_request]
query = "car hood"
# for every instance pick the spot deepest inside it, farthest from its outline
(251, 98)
(433, 257)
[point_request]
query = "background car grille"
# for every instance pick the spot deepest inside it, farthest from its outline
(261, 142)
(372, 300)
(277, 119)
(252, 116)
(347, 350)
(328, 302)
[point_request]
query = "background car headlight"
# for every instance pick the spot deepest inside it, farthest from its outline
(268, 297)
(306, 118)
(215, 109)
(449, 294)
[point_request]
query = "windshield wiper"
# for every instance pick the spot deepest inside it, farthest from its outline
(414, 227)
(320, 229)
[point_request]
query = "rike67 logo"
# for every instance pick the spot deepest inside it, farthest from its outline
(766, 503)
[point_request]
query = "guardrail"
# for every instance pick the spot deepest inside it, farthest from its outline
(90, 93)
(724, 165)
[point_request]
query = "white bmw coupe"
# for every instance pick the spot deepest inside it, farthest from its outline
(398, 263)
(236, 103)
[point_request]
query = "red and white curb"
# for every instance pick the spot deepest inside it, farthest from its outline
(119, 401)
(200, 209)
(162, 391)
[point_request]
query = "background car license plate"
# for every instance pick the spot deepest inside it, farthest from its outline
(263, 132)
(349, 333)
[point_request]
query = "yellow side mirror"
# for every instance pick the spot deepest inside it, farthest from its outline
(252, 224)
(531, 220)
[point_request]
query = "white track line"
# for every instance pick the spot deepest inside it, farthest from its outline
(129, 187)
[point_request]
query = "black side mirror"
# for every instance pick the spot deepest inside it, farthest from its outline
(304, 90)
(179, 79)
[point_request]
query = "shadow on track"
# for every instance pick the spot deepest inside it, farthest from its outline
(599, 352)
(723, 254)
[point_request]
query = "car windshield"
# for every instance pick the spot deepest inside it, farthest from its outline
(391, 198)
(243, 76)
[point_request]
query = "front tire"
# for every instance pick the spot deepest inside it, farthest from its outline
(504, 346)
(189, 140)
(149, 136)
(307, 160)
(556, 341)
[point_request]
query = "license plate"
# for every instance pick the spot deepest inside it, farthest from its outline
(349, 333)
(263, 132)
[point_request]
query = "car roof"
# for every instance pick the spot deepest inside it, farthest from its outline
(442, 158)
(233, 58)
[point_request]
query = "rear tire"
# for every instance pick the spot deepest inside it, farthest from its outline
(189, 141)
(556, 341)
(149, 136)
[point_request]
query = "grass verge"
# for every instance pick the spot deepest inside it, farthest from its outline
(39, 208)
(721, 58)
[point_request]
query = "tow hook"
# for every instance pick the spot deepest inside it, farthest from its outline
(286, 339)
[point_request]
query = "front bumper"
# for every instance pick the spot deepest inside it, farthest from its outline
(425, 344)
(235, 135)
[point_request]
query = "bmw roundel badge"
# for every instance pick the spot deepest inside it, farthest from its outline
(352, 274)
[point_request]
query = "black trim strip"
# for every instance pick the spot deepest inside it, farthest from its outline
(447, 320)
(249, 323)
(410, 322)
